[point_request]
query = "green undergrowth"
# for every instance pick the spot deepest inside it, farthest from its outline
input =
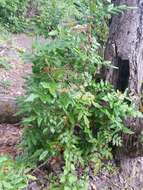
(43, 16)
(13, 175)
(69, 115)
(5, 35)
(13, 14)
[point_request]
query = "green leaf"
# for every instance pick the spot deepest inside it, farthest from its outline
(86, 121)
(29, 119)
(45, 85)
(46, 98)
(97, 105)
(50, 86)
(65, 100)
(53, 33)
(43, 155)
(67, 188)
(31, 98)
(39, 120)
(3, 159)
(72, 179)
(127, 131)
(7, 185)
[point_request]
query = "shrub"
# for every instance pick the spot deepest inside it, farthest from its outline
(49, 15)
(67, 113)
(12, 14)
(12, 175)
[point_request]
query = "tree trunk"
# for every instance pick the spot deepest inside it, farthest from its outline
(125, 49)
(129, 177)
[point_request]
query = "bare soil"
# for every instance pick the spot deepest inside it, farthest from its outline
(12, 73)
(11, 78)
(9, 139)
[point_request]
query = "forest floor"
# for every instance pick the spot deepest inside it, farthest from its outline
(12, 71)
(12, 67)
(9, 139)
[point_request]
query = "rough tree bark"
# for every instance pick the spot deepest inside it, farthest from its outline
(125, 48)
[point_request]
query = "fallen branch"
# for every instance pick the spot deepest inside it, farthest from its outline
(8, 109)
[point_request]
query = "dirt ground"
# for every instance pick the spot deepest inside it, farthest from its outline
(9, 139)
(13, 65)
(14, 69)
